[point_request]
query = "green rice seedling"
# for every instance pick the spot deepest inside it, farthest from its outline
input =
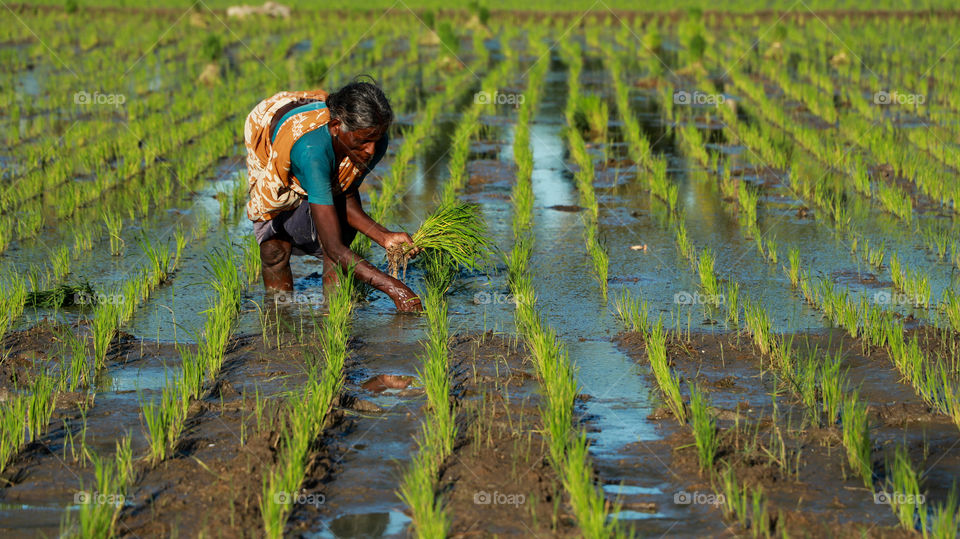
(735, 496)
(180, 241)
(708, 278)
(114, 223)
(759, 325)
(771, 250)
(98, 514)
(417, 491)
(251, 259)
(748, 200)
(13, 296)
(83, 239)
(856, 437)
(457, 229)
(77, 349)
(832, 384)
(875, 256)
(591, 116)
(105, 321)
(704, 428)
(804, 378)
(239, 191)
(683, 243)
(159, 418)
(632, 312)
(669, 383)
(13, 417)
(951, 307)
(587, 502)
(601, 266)
(159, 258)
(60, 261)
(794, 271)
(906, 499)
(896, 201)
(732, 299)
(225, 203)
(946, 520)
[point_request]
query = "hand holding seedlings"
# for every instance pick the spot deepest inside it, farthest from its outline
(393, 241)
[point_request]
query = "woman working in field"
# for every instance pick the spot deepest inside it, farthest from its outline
(307, 154)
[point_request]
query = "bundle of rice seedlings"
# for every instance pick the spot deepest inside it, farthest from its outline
(61, 296)
(456, 229)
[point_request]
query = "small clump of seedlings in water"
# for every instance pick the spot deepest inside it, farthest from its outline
(905, 496)
(856, 437)
(704, 428)
(114, 223)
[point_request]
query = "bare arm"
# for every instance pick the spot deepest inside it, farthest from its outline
(328, 230)
(365, 224)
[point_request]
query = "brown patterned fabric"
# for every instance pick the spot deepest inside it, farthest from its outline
(272, 188)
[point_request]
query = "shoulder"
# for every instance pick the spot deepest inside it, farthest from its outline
(315, 144)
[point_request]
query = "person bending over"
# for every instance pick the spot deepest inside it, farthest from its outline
(307, 154)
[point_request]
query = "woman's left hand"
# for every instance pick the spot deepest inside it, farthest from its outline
(391, 239)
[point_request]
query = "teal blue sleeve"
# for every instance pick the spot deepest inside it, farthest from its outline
(311, 161)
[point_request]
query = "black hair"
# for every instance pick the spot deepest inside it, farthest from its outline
(360, 105)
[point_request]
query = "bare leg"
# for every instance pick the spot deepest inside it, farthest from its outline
(275, 261)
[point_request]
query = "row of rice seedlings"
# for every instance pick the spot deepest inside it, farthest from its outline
(109, 315)
(467, 127)
(833, 206)
(164, 419)
(522, 192)
(308, 409)
(589, 119)
(438, 430)
(569, 450)
(669, 382)
(637, 144)
(888, 146)
(930, 379)
(632, 312)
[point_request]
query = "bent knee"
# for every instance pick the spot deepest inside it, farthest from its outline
(273, 254)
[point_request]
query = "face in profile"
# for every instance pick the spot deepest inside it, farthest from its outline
(359, 145)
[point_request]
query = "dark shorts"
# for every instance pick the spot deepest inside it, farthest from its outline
(295, 226)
